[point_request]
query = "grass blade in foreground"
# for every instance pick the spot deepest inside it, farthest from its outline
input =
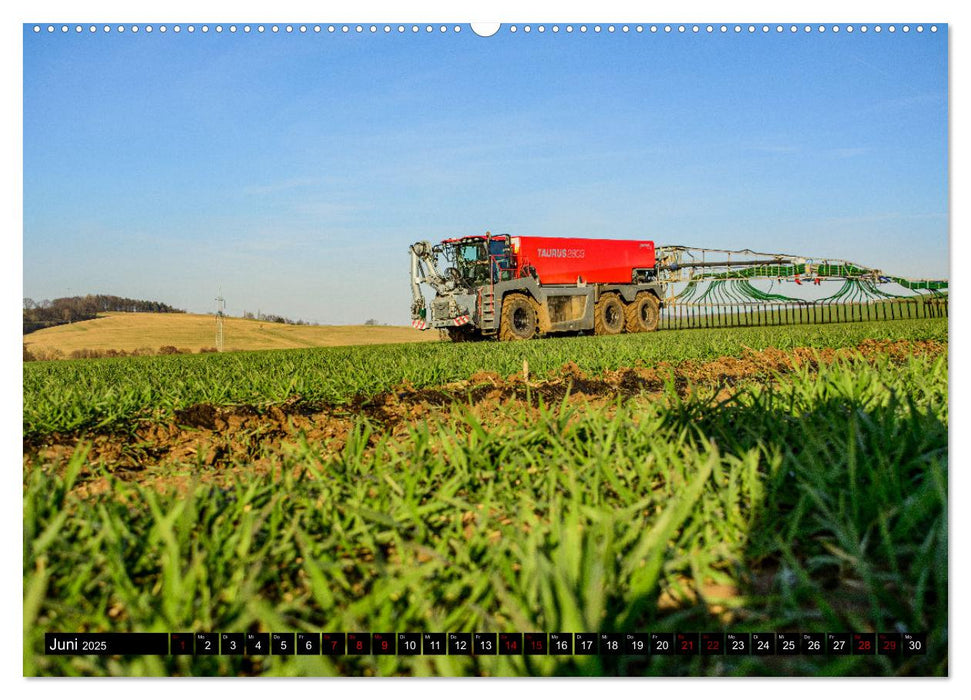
(822, 508)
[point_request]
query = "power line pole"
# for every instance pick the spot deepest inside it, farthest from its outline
(220, 308)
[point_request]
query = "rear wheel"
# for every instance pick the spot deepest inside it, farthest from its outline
(643, 313)
(608, 315)
(519, 320)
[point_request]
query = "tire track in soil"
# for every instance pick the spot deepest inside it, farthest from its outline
(209, 443)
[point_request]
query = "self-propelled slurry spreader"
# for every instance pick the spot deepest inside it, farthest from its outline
(519, 287)
(516, 287)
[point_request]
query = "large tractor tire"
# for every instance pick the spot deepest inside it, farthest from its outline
(643, 313)
(608, 315)
(519, 320)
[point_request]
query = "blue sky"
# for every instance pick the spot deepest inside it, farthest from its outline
(293, 170)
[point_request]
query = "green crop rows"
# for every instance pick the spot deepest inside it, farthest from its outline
(66, 396)
(815, 502)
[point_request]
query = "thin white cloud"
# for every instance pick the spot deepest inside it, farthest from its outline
(281, 186)
(846, 152)
(903, 102)
(328, 211)
(775, 148)
(881, 217)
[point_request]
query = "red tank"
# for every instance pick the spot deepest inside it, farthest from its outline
(594, 260)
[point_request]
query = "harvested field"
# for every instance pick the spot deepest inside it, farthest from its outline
(131, 331)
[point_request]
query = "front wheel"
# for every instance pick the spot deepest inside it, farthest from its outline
(643, 313)
(519, 320)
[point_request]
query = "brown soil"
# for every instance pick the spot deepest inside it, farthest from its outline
(208, 443)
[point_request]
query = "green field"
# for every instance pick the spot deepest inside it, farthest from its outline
(81, 394)
(810, 499)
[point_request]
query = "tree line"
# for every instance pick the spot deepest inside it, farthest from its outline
(274, 318)
(47, 313)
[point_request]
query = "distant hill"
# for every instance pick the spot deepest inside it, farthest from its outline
(73, 309)
(192, 332)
